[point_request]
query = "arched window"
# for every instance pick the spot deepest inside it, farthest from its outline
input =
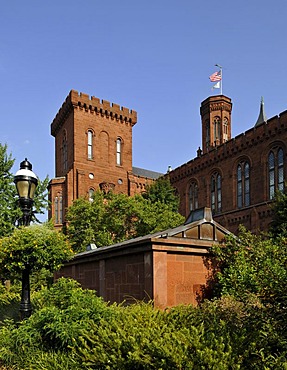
(119, 151)
(193, 196)
(280, 161)
(90, 144)
(91, 194)
(65, 151)
(216, 196)
(243, 185)
(275, 171)
(207, 128)
(216, 128)
(225, 129)
(58, 209)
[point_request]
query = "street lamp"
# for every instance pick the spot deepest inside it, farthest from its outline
(26, 182)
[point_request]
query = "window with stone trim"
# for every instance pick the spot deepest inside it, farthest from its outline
(58, 208)
(275, 171)
(193, 196)
(225, 129)
(243, 184)
(216, 194)
(65, 151)
(119, 151)
(90, 144)
(207, 130)
(91, 194)
(216, 124)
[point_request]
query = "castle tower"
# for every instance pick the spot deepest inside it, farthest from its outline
(93, 150)
(215, 114)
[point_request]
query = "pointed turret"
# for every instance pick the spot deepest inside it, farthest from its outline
(262, 116)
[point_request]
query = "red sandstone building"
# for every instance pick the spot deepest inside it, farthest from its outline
(235, 177)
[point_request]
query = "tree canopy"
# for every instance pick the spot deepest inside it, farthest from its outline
(162, 191)
(252, 265)
(9, 210)
(279, 220)
(37, 246)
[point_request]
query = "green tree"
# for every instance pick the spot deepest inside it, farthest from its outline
(113, 218)
(279, 207)
(85, 223)
(252, 264)
(38, 247)
(9, 210)
(41, 199)
(252, 269)
(162, 191)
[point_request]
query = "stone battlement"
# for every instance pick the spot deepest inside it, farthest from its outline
(92, 104)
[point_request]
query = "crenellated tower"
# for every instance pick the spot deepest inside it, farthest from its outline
(93, 150)
(215, 114)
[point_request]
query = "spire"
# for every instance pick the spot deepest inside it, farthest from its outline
(262, 116)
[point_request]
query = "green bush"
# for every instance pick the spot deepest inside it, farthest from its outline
(72, 328)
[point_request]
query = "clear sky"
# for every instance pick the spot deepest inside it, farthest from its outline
(152, 56)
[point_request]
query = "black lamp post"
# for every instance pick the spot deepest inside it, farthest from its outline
(26, 182)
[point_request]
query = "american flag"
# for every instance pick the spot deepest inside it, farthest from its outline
(216, 76)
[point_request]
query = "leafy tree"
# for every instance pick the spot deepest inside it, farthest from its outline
(37, 246)
(10, 211)
(279, 207)
(162, 191)
(113, 218)
(252, 264)
(41, 199)
(252, 269)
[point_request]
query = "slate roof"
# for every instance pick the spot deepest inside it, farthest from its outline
(146, 173)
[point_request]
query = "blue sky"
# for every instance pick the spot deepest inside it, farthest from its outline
(153, 56)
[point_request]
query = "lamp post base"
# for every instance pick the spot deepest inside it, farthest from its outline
(25, 305)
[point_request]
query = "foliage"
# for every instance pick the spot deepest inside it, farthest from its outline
(142, 337)
(162, 191)
(279, 221)
(36, 247)
(72, 328)
(113, 218)
(9, 210)
(9, 300)
(41, 198)
(44, 341)
(253, 270)
(252, 264)
(242, 327)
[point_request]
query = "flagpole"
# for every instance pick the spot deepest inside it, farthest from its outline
(220, 67)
